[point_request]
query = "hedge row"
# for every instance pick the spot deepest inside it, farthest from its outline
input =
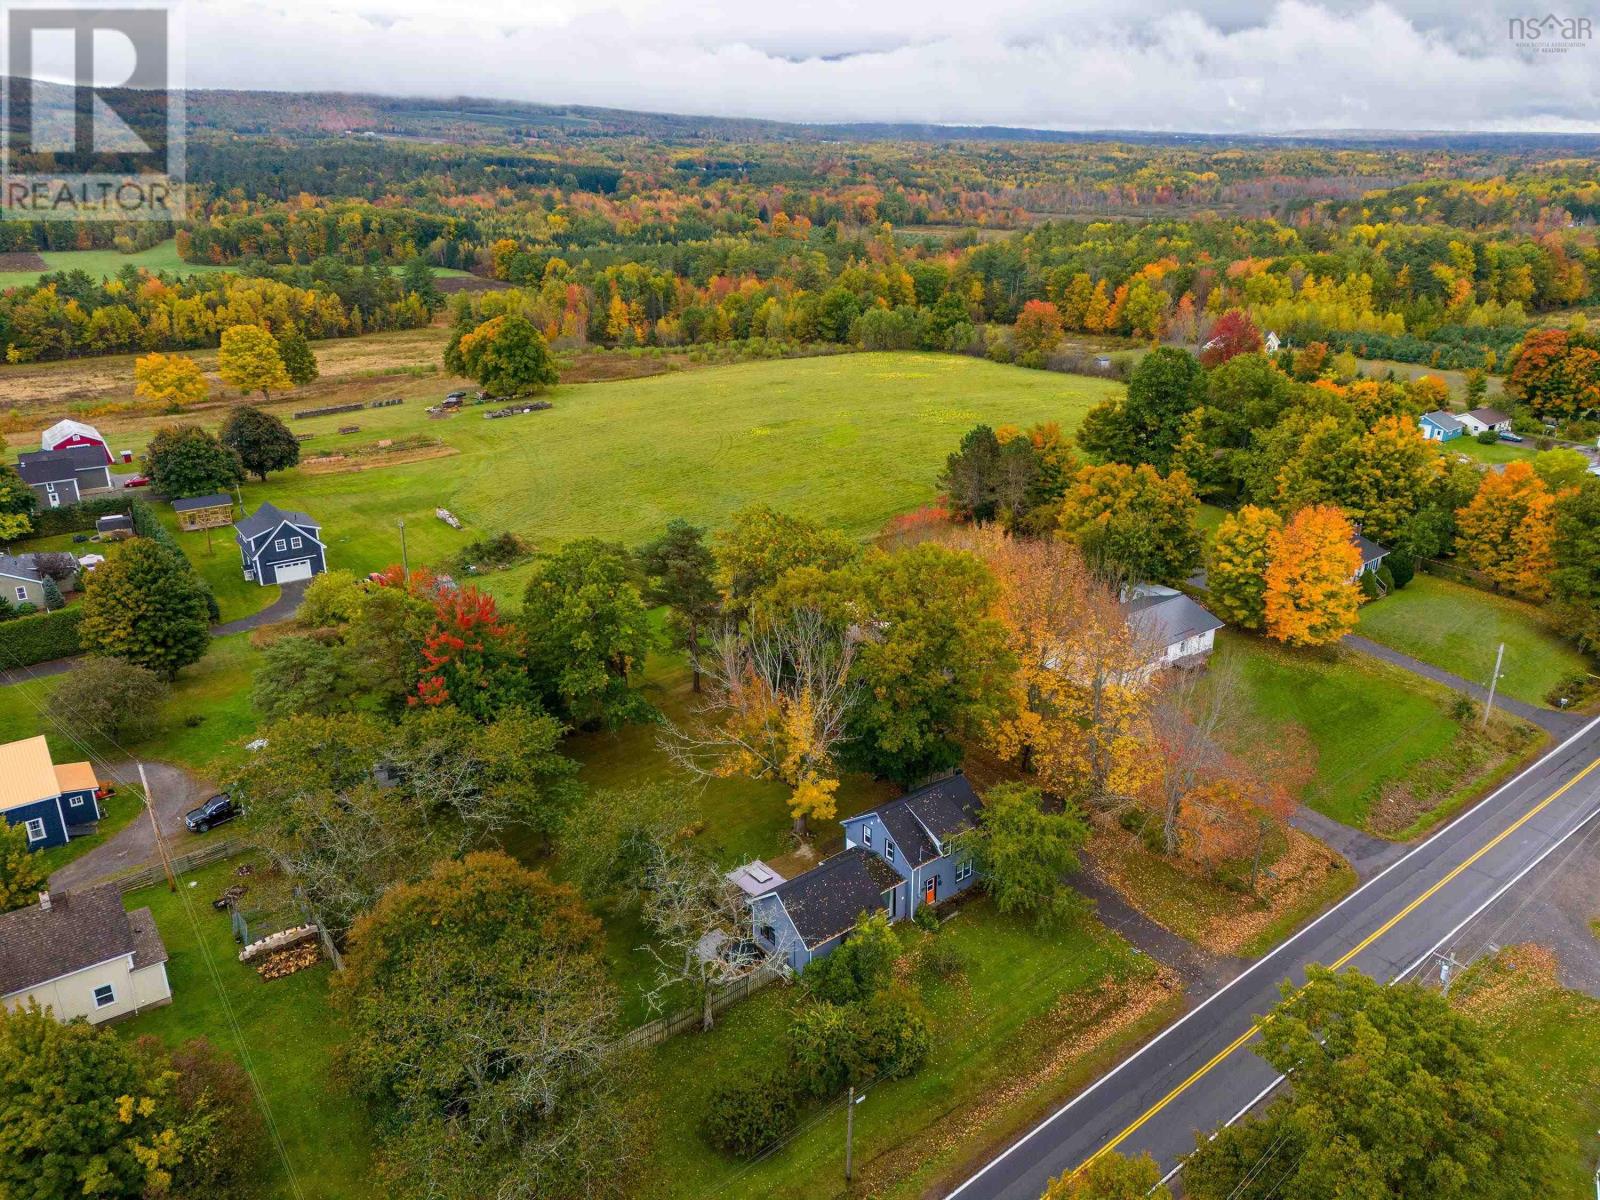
(76, 518)
(40, 637)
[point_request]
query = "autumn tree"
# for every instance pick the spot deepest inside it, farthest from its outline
(1110, 1176)
(145, 605)
(1393, 471)
(1508, 531)
(248, 359)
(473, 659)
(18, 503)
(1394, 1093)
(1078, 719)
(483, 1028)
(1236, 566)
(22, 872)
(262, 441)
(678, 568)
(174, 381)
(586, 631)
(185, 460)
(505, 355)
(1134, 521)
(1233, 334)
(1039, 328)
(1556, 373)
(1311, 591)
(778, 701)
(1575, 580)
(299, 362)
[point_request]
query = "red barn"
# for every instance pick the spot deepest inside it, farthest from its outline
(64, 435)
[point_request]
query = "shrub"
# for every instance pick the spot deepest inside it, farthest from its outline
(1369, 585)
(744, 1117)
(497, 550)
(821, 1050)
(1386, 577)
(53, 599)
(1570, 690)
(941, 959)
(1488, 437)
(860, 968)
(1463, 708)
(832, 1046)
(111, 696)
(34, 639)
(1402, 567)
(926, 918)
(891, 1037)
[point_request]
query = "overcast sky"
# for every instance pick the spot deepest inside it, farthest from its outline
(1216, 65)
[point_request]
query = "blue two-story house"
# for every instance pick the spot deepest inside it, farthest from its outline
(279, 547)
(897, 857)
(53, 803)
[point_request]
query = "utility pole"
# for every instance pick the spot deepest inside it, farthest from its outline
(1494, 681)
(850, 1127)
(155, 825)
(405, 564)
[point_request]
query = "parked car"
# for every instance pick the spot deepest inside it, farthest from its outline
(213, 812)
(136, 481)
(1507, 436)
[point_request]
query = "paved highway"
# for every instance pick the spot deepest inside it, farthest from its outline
(1200, 1073)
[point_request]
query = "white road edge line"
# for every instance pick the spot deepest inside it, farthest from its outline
(1434, 949)
(1268, 957)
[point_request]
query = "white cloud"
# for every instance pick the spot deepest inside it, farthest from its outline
(1234, 65)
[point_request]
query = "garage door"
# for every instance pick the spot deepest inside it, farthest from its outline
(290, 571)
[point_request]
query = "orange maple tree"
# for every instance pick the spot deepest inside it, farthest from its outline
(1508, 531)
(1311, 594)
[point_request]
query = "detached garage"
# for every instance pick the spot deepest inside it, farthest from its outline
(280, 547)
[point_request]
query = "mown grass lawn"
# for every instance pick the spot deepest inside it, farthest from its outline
(1552, 1034)
(206, 718)
(1457, 627)
(1380, 736)
(850, 440)
(1021, 998)
(1494, 453)
(282, 1030)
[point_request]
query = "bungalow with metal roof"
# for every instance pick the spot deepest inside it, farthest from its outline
(1440, 426)
(897, 857)
(53, 803)
(279, 546)
(1179, 631)
(83, 955)
(64, 476)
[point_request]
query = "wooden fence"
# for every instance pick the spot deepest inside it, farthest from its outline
(206, 855)
(662, 1028)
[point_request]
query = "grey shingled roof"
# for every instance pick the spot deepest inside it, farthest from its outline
(215, 500)
(940, 810)
(21, 566)
(148, 948)
(1445, 421)
(828, 899)
(267, 518)
(1489, 416)
(1170, 619)
(79, 930)
(54, 466)
(1369, 549)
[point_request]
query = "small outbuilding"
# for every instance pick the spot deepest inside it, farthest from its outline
(204, 512)
(280, 547)
(114, 525)
(83, 955)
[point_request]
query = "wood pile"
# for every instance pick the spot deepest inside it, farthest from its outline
(286, 962)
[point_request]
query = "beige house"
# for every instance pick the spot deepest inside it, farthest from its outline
(82, 955)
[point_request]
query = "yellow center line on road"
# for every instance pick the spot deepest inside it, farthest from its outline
(1405, 912)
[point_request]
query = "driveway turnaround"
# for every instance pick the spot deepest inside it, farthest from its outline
(1200, 1073)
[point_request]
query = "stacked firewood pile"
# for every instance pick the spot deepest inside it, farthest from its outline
(289, 960)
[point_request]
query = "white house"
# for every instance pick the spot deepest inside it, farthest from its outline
(1181, 633)
(1479, 420)
(1272, 343)
(83, 955)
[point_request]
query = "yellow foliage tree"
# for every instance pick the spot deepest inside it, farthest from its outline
(1507, 530)
(1236, 566)
(1311, 593)
(173, 381)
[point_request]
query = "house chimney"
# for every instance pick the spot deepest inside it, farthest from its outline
(44, 901)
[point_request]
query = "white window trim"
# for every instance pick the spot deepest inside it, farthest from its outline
(22, 592)
(33, 823)
(866, 836)
(280, 544)
(104, 987)
(888, 850)
(295, 543)
(76, 801)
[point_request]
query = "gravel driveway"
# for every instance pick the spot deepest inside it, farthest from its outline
(176, 791)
